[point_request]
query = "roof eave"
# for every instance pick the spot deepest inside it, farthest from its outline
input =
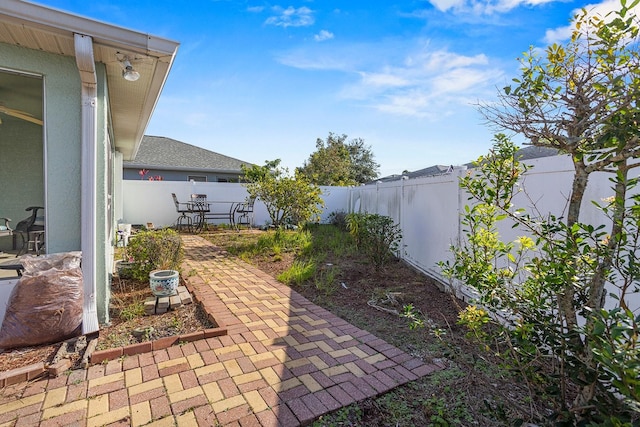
(130, 116)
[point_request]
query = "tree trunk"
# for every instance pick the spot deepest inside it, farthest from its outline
(566, 298)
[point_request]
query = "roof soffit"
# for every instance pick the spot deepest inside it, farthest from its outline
(131, 103)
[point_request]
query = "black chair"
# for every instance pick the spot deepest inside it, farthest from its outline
(185, 211)
(200, 206)
(31, 230)
(243, 214)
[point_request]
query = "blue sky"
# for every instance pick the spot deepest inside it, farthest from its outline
(258, 81)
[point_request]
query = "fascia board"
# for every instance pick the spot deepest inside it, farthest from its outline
(57, 21)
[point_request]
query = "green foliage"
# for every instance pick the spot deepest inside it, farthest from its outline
(289, 200)
(525, 282)
(376, 235)
(474, 318)
(153, 250)
(341, 163)
(298, 273)
(326, 280)
(581, 98)
(328, 239)
(132, 311)
(339, 219)
(616, 347)
(413, 315)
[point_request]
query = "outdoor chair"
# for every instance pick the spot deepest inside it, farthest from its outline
(185, 211)
(243, 214)
(31, 231)
(200, 206)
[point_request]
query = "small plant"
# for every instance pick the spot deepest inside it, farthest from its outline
(376, 235)
(413, 315)
(153, 250)
(474, 319)
(339, 219)
(326, 280)
(175, 322)
(132, 311)
(299, 272)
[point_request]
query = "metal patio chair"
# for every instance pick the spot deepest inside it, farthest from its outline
(243, 214)
(185, 211)
(31, 231)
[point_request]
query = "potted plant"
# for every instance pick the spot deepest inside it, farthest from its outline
(157, 255)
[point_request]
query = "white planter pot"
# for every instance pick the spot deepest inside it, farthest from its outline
(164, 282)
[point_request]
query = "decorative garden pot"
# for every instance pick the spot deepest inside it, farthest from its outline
(164, 282)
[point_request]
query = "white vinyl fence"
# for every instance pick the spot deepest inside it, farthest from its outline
(150, 201)
(427, 209)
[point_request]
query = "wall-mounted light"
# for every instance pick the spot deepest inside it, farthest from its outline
(128, 72)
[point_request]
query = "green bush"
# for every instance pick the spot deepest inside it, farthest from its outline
(376, 235)
(289, 200)
(339, 219)
(154, 250)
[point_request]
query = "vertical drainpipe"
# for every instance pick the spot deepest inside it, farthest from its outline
(86, 67)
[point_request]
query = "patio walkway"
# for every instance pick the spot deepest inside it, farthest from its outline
(284, 362)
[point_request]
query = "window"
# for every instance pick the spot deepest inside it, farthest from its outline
(197, 178)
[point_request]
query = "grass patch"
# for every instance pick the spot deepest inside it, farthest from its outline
(298, 273)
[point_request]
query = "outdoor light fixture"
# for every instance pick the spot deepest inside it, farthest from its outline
(129, 73)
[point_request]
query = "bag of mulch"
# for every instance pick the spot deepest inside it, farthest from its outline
(46, 304)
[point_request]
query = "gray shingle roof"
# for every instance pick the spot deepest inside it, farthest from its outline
(160, 152)
(526, 153)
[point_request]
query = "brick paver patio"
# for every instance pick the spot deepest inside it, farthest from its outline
(284, 362)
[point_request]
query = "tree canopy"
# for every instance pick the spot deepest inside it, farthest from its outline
(288, 199)
(337, 161)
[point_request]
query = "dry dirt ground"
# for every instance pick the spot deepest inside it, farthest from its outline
(128, 325)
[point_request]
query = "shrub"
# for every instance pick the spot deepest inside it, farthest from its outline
(339, 219)
(290, 200)
(376, 235)
(153, 250)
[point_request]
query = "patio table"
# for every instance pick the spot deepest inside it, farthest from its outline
(212, 210)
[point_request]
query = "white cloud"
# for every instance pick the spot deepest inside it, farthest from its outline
(421, 83)
(291, 17)
(561, 34)
(255, 9)
(384, 79)
(323, 35)
(481, 7)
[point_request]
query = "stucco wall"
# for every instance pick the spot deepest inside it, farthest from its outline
(180, 175)
(52, 169)
(61, 148)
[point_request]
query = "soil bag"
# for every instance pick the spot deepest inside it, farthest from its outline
(46, 304)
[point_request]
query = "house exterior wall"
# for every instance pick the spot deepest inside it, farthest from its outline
(54, 166)
(61, 145)
(41, 165)
(180, 175)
